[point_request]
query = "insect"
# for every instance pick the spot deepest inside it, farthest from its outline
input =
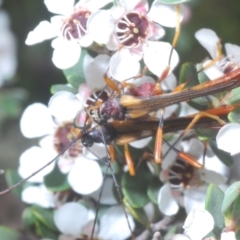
(128, 106)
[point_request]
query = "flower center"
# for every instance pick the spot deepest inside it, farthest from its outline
(63, 136)
(132, 29)
(180, 174)
(74, 27)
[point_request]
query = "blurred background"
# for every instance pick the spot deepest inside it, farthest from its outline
(35, 73)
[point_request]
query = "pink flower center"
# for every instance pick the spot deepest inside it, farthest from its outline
(132, 29)
(74, 27)
(63, 136)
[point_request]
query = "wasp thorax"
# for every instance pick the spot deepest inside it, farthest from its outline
(132, 29)
(74, 27)
(63, 136)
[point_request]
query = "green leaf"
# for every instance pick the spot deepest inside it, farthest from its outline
(56, 181)
(153, 189)
(173, 1)
(135, 187)
(138, 213)
(45, 216)
(28, 217)
(188, 74)
(12, 177)
(231, 195)
(213, 204)
(62, 87)
(236, 210)
(234, 96)
(45, 232)
(225, 157)
(8, 234)
(75, 75)
(206, 134)
(234, 116)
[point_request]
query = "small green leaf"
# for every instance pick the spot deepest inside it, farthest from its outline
(56, 180)
(234, 116)
(236, 210)
(135, 187)
(225, 157)
(62, 87)
(45, 216)
(138, 213)
(153, 189)
(206, 134)
(75, 75)
(188, 74)
(213, 204)
(173, 1)
(28, 217)
(230, 196)
(12, 177)
(234, 97)
(45, 232)
(8, 234)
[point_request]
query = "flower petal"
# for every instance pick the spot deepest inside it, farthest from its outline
(113, 224)
(119, 65)
(95, 70)
(212, 177)
(38, 195)
(227, 138)
(195, 198)
(66, 53)
(169, 83)
(62, 6)
(164, 14)
(36, 121)
(32, 160)
(209, 40)
(64, 105)
(141, 143)
(81, 176)
(95, 25)
(228, 236)
(43, 31)
(166, 202)
(70, 218)
(233, 51)
(198, 224)
(213, 71)
(156, 57)
(108, 196)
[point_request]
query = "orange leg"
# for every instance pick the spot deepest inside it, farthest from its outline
(129, 160)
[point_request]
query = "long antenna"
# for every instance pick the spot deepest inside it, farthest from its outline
(39, 170)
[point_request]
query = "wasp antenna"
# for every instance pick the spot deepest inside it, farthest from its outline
(40, 169)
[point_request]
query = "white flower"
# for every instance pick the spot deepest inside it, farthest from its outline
(38, 195)
(8, 60)
(198, 224)
(186, 186)
(75, 220)
(69, 27)
(211, 42)
(37, 121)
(227, 138)
(128, 29)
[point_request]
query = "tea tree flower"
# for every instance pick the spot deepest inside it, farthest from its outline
(69, 29)
(223, 64)
(132, 30)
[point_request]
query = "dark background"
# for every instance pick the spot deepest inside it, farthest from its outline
(36, 72)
